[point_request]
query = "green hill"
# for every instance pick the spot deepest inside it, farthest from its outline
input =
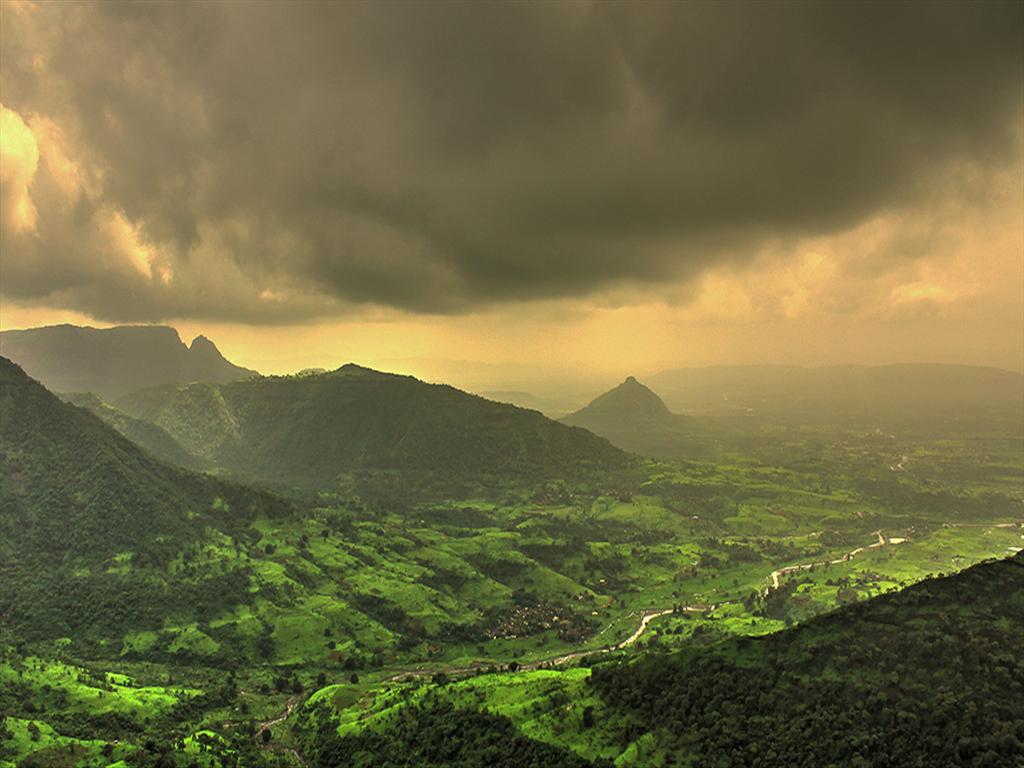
(83, 508)
(930, 676)
(315, 430)
(114, 361)
(103, 544)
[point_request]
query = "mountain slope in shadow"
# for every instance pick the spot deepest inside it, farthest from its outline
(633, 417)
(311, 430)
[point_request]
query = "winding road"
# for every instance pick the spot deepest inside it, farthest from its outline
(776, 574)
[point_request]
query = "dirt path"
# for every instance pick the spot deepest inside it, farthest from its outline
(288, 707)
(266, 725)
(646, 619)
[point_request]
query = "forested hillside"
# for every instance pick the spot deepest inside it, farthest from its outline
(91, 523)
(316, 431)
(146, 435)
(929, 677)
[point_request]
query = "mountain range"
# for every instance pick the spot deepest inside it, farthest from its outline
(112, 362)
(187, 579)
(312, 430)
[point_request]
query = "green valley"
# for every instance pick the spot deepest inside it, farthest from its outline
(226, 613)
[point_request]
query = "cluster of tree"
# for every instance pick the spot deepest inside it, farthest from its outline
(92, 608)
(890, 492)
(436, 735)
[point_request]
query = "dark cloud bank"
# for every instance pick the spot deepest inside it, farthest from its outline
(440, 157)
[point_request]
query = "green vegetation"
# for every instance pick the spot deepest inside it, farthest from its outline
(92, 525)
(402, 438)
(159, 617)
(928, 676)
(439, 735)
(143, 433)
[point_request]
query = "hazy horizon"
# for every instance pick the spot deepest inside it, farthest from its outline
(564, 382)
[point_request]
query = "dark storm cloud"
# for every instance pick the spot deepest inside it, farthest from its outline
(440, 157)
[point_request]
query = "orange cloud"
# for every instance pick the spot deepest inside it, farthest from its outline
(19, 159)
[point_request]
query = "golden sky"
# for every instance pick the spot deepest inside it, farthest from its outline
(567, 189)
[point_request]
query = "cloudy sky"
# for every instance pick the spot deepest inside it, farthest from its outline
(605, 187)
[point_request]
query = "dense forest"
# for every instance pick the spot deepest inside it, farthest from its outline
(282, 429)
(437, 735)
(78, 496)
(931, 676)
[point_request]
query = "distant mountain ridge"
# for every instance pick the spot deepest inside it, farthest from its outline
(549, 407)
(898, 390)
(112, 362)
(310, 430)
